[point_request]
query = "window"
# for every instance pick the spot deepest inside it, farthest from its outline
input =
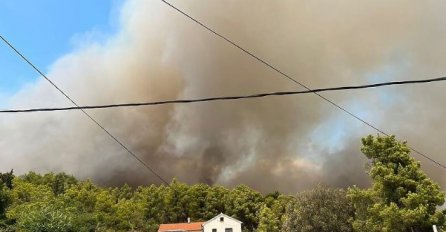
(222, 219)
(228, 230)
(214, 230)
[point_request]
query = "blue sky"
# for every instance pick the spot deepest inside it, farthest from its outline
(45, 30)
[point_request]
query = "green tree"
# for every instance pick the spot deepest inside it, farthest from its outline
(196, 198)
(129, 215)
(244, 204)
(268, 221)
(5, 197)
(215, 201)
(402, 197)
(320, 209)
(57, 182)
(6, 185)
(44, 217)
(175, 202)
(61, 182)
(6, 179)
(36, 208)
(278, 204)
(5, 201)
(154, 207)
(59, 202)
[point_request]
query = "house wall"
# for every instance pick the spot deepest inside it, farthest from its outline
(221, 226)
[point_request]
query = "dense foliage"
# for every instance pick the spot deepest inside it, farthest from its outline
(58, 202)
(321, 209)
(401, 198)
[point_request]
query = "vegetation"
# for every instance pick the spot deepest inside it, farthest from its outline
(401, 198)
(321, 209)
(58, 202)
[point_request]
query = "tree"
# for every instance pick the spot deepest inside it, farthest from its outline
(5, 201)
(268, 221)
(44, 217)
(175, 203)
(402, 197)
(196, 198)
(59, 202)
(5, 196)
(272, 214)
(244, 204)
(57, 182)
(214, 202)
(321, 209)
(60, 182)
(6, 179)
(129, 215)
(154, 206)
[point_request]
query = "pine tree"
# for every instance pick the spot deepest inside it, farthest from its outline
(402, 197)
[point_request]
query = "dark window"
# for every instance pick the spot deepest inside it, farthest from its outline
(222, 219)
(228, 230)
(214, 230)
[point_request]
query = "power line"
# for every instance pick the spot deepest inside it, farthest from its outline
(290, 78)
(88, 115)
(260, 95)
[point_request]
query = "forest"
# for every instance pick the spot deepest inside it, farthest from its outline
(400, 198)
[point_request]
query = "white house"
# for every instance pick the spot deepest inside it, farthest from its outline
(222, 223)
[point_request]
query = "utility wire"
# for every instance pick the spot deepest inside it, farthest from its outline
(88, 115)
(225, 98)
(290, 78)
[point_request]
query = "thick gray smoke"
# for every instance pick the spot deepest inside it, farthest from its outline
(278, 143)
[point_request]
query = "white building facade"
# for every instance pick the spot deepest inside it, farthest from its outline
(222, 223)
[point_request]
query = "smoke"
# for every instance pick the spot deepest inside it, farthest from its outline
(279, 143)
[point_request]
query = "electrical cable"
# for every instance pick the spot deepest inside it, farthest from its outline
(88, 115)
(260, 95)
(289, 77)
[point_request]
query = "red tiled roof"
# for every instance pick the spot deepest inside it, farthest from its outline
(193, 226)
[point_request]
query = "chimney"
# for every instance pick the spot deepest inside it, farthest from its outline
(188, 220)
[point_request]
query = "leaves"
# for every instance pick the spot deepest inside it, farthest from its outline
(58, 202)
(321, 209)
(402, 197)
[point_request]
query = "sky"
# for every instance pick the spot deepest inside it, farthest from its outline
(44, 31)
(105, 52)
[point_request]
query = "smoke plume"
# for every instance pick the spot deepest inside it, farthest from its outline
(279, 143)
